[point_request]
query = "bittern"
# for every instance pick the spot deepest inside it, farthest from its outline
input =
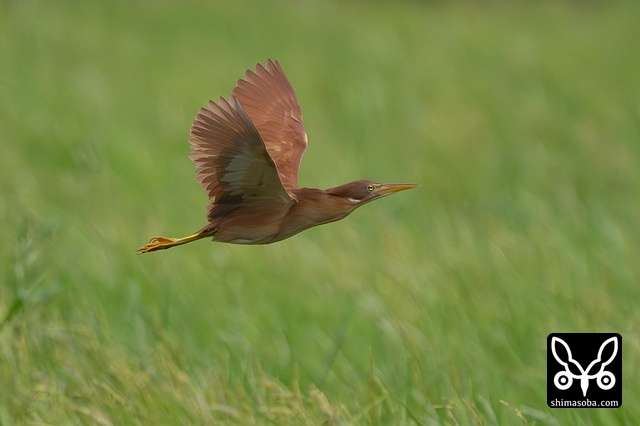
(247, 152)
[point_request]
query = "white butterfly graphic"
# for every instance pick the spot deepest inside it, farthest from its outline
(564, 379)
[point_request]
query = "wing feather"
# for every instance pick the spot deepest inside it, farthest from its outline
(233, 165)
(270, 102)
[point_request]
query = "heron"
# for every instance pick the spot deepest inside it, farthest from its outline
(247, 151)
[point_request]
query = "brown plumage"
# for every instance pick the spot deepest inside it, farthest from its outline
(247, 152)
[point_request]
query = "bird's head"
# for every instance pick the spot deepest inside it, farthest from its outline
(362, 191)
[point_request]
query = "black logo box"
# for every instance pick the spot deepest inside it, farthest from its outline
(584, 370)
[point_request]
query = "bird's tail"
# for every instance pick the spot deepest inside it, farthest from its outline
(163, 243)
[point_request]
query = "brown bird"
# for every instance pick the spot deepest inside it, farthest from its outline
(247, 152)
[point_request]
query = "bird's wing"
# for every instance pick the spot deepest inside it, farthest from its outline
(271, 104)
(232, 163)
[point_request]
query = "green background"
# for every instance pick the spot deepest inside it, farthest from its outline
(520, 119)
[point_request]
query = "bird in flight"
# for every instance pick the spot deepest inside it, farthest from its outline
(247, 152)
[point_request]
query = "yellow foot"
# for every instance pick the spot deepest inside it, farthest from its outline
(158, 243)
(162, 243)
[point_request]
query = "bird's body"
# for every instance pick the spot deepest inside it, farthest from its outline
(264, 222)
(247, 152)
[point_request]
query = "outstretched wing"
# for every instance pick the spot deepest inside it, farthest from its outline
(232, 163)
(271, 104)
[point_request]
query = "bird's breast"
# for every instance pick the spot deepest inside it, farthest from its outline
(252, 223)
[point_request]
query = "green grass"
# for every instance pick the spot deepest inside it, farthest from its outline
(521, 120)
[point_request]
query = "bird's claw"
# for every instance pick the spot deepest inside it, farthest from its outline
(157, 243)
(161, 240)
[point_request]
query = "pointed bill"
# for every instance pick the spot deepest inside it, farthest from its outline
(390, 188)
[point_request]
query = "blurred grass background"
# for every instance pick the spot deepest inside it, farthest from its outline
(520, 119)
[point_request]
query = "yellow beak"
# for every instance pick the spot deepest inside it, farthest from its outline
(390, 188)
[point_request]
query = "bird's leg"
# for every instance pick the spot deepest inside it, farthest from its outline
(163, 243)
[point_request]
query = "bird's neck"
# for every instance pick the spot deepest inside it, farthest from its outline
(321, 206)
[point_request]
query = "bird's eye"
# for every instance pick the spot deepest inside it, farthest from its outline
(370, 188)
